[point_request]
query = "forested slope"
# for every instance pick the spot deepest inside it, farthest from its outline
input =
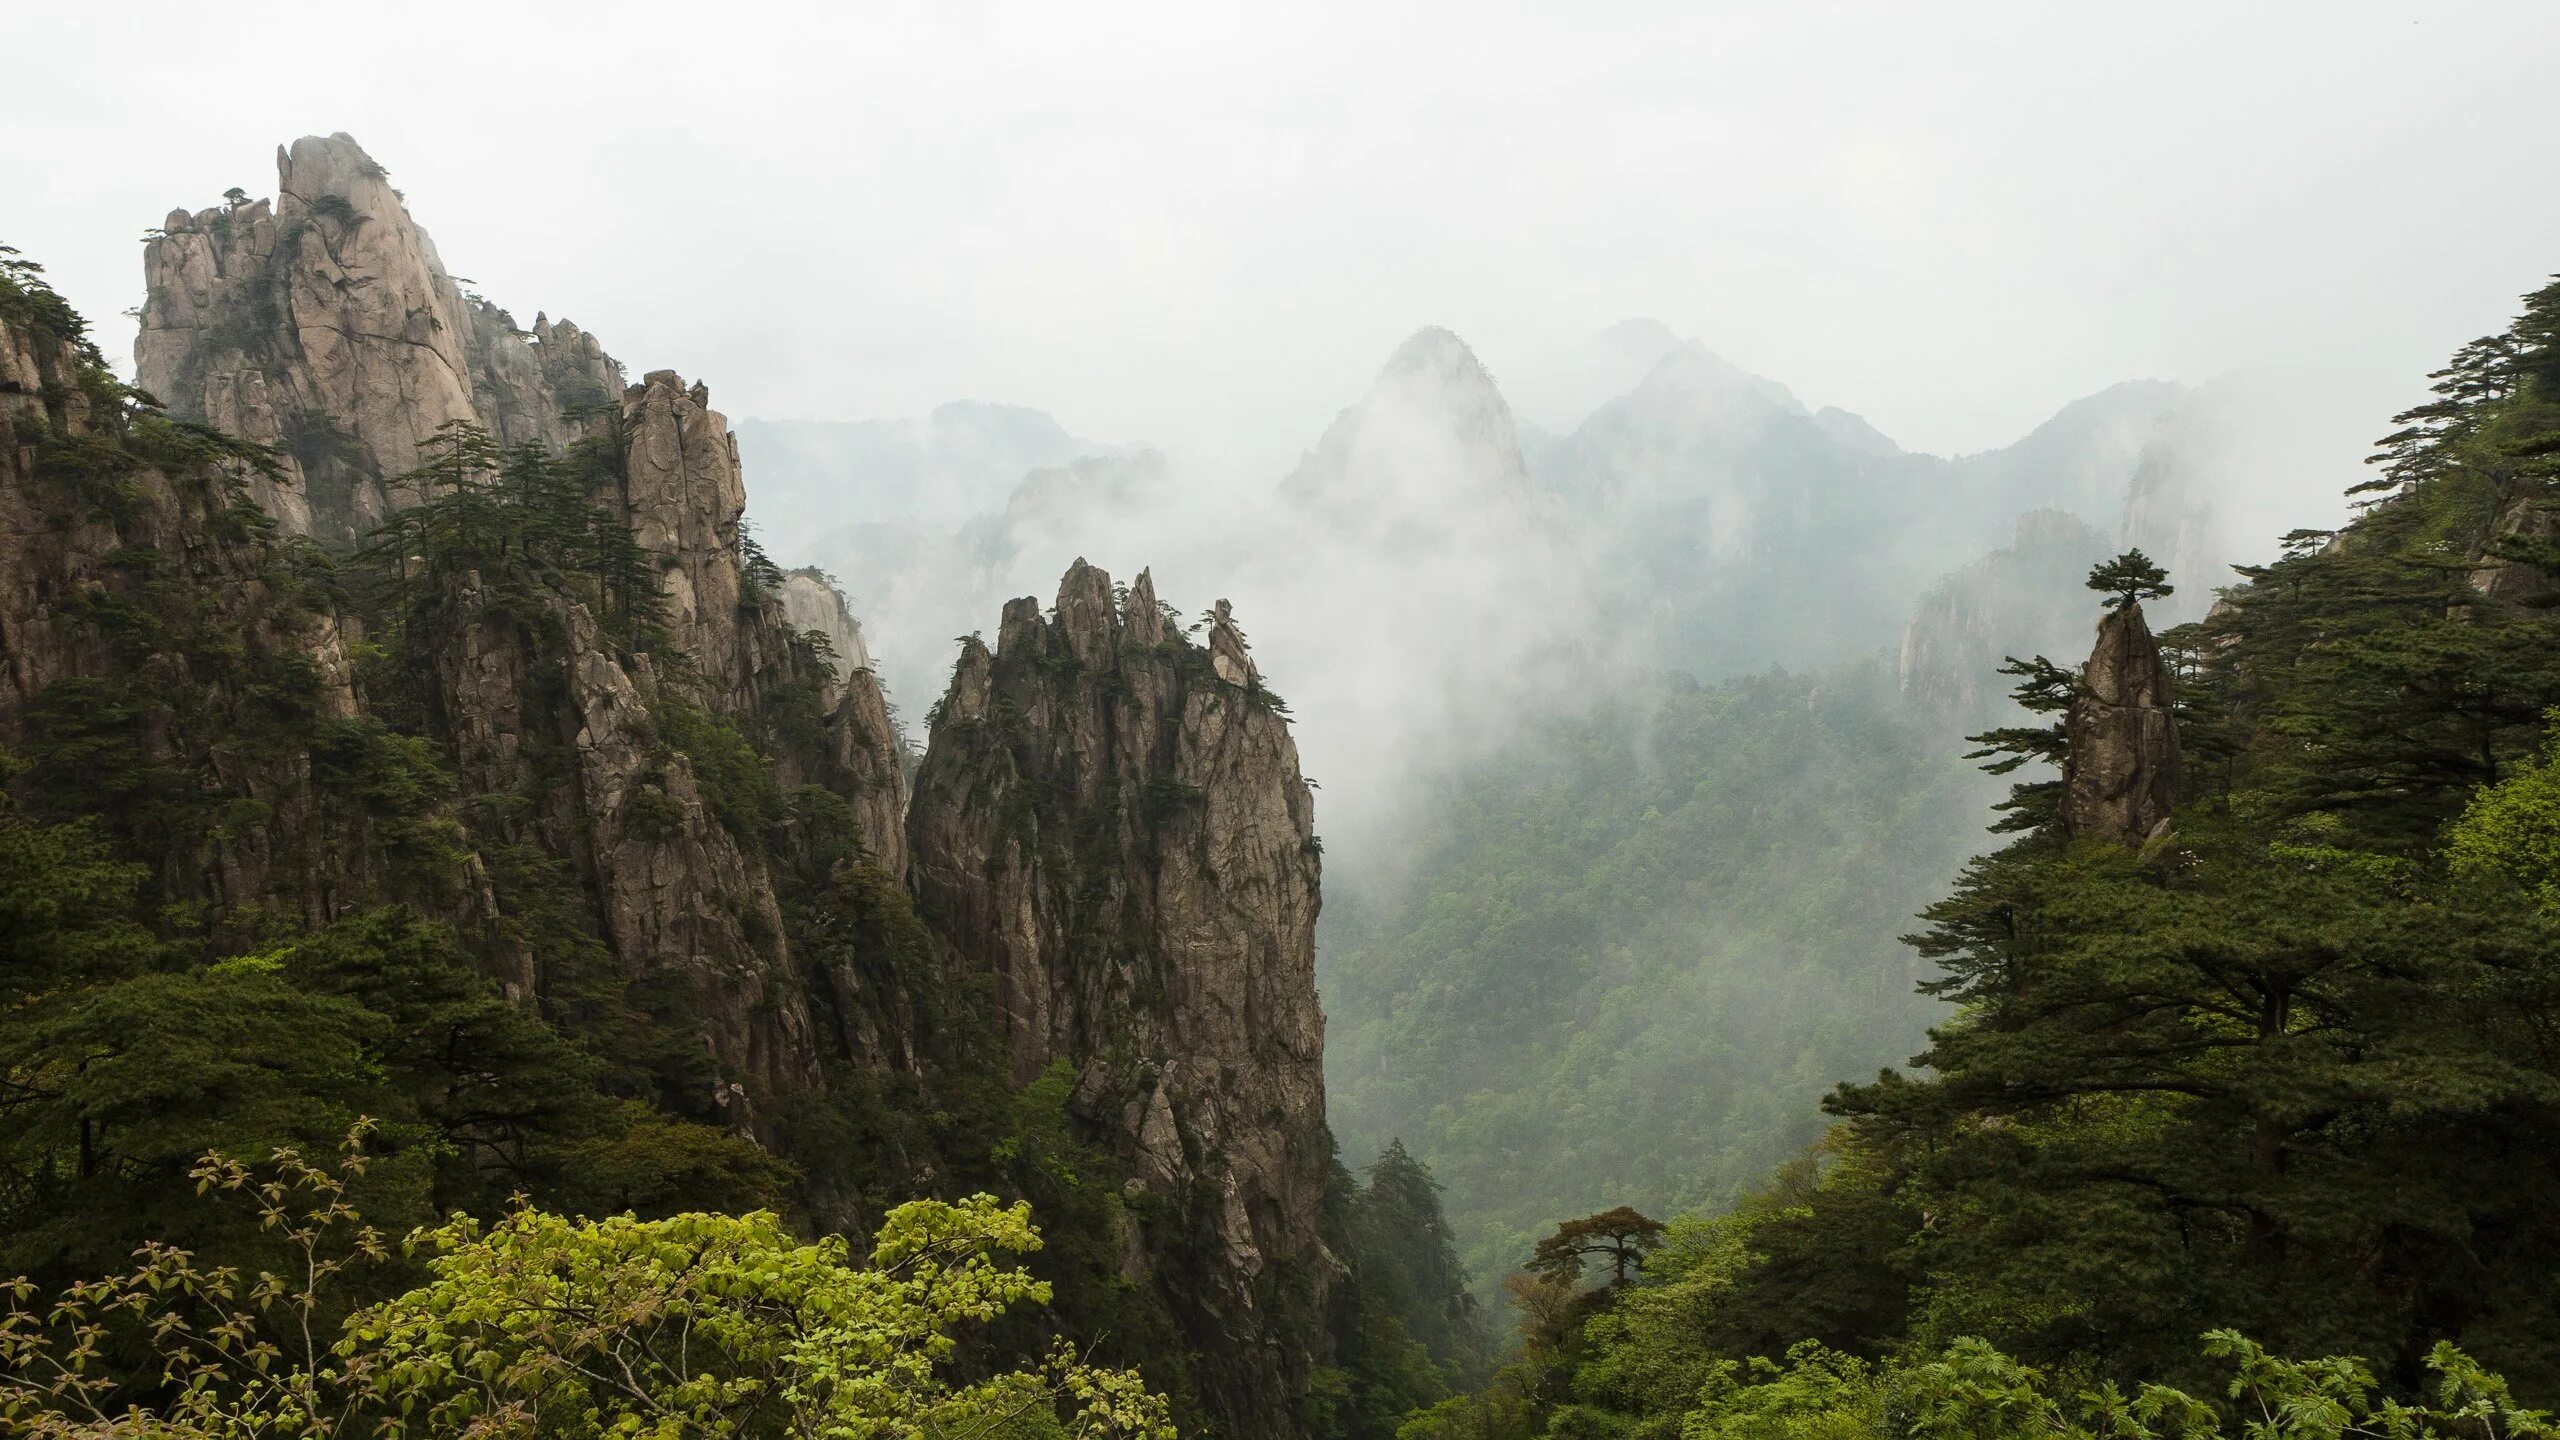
(2252, 1030)
(452, 774)
(1608, 929)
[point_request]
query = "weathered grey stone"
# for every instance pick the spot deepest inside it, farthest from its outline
(2120, 774)
(1117, 836)
(324, 324)
(812, 604)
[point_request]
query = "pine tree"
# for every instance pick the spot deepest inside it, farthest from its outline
(2129, 579)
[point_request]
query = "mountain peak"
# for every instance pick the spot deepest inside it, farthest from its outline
(1433, 424)
(1640, 340)
(1433, 350)
(1692, 367)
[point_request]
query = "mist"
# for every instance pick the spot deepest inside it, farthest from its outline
(1630, 438)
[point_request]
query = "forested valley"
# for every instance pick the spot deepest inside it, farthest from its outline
(480, 953)
(2238, 1116)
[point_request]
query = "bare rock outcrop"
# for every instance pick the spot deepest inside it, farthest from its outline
(685, 498)
(680, 487)
(2120, 773)
(1110, 826)
(2527, 523)
(812, 604)
(323, 323)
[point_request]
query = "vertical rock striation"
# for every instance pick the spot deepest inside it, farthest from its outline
(679, 486)
(1110, 839)
(324, 324)
(2120, 774)
(1110, 825)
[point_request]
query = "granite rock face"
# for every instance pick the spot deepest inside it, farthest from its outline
(2120, 774)
(1109, 835)
(2527, 521)
(323, 323)
(682, 492)
(1110, 825)
(812, 604)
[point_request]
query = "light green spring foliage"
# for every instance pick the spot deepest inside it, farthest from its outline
(537, 1324)
(1645, 1352)
(1971, 1391)
(2512, 829)
(712, 1324)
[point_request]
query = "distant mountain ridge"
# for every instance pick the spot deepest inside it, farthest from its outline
(962, 459)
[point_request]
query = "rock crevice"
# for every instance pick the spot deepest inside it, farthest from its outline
(1110, 826)
(2121, 772)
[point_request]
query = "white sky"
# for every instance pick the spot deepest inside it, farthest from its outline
(1206, 225)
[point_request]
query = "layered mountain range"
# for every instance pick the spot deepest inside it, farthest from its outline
(1591, 885)
(648, 775)
(472, 627)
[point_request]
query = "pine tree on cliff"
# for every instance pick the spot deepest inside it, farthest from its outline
(2234, 1072)
(2286, 1072)
(2128, 580)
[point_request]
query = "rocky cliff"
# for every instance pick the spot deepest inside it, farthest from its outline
(2120, 773)
(813, 604)
(324, 324)
(148, 628)
(654, 778)
(1110, 826)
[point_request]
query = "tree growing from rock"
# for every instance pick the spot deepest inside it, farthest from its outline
(2129, 579)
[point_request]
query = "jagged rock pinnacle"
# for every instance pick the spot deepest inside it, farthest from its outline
(2120, 776)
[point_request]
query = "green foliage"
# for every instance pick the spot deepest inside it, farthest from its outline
(2129, 579)
(737, 781)
(2511, 830)
(2043, 688)
(712, 1323)
(509, 1105)
(1619, 1237)
(1971, 1390)
(539, 1325)
(1405, 1330)
(1641, 1376)
(125, 1056)
(2283, 1072)
(511, 533)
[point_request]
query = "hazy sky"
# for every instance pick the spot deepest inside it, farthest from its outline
(1206, 225)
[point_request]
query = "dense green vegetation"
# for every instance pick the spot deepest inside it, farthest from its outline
(2287, 1070)
(1569, 997)
(534, 1324)
(237, 918)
